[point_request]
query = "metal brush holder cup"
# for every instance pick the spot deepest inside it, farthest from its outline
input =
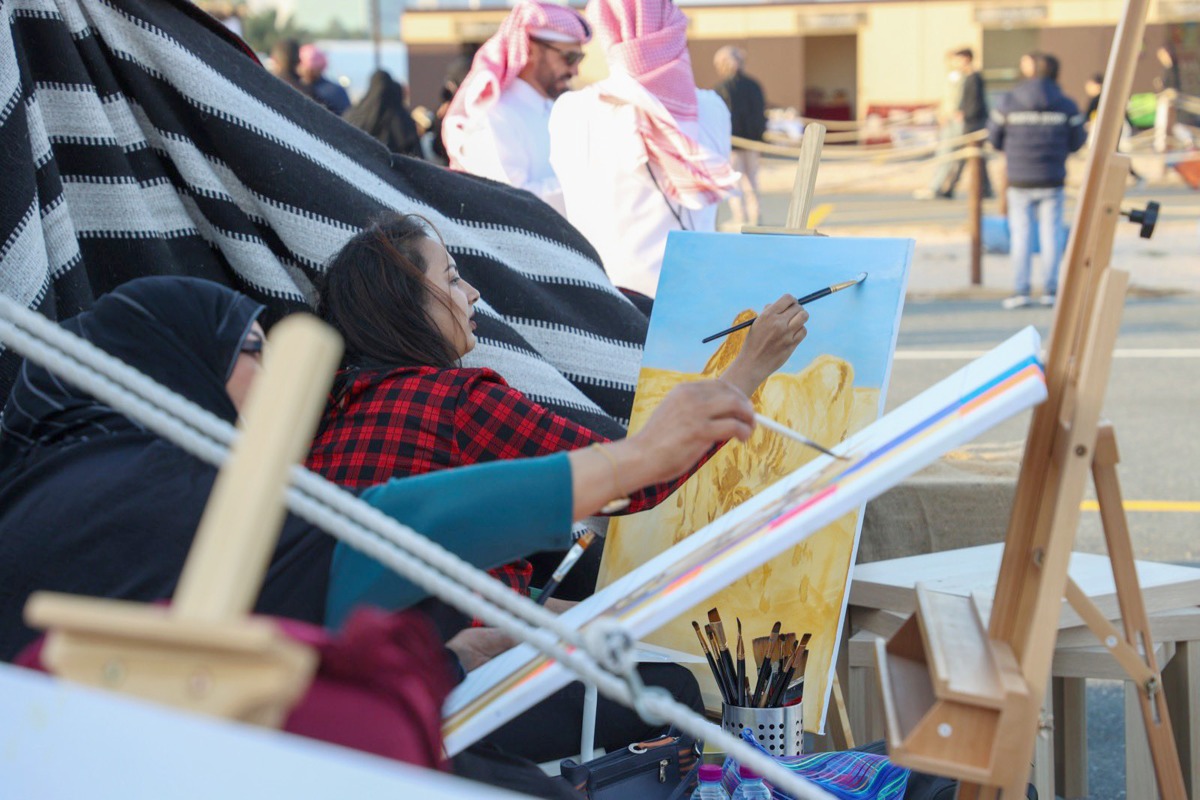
(779, 730)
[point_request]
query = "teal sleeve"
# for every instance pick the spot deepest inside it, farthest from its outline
(488, 514)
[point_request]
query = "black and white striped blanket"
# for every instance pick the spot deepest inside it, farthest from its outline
(137, 137)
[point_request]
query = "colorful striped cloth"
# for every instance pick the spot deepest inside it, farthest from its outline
(848, 775)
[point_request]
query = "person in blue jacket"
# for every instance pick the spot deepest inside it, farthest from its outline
(1037, 127)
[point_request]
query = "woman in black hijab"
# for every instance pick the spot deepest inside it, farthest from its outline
(383, 112)
(91, 502)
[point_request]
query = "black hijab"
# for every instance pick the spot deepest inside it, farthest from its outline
(185, 333)
(91, 503)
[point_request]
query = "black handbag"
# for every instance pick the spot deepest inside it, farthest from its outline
(650, 770)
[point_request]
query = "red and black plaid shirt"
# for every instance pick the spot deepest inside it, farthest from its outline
(412, 420)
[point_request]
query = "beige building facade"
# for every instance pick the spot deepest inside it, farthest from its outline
(840, 58)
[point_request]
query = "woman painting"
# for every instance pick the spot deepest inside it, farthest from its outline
(403, 405)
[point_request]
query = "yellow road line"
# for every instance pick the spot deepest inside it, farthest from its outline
(1148, 505)
(818, 215)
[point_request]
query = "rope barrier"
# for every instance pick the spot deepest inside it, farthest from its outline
(874, 153)
(893, 118)
(366, 529)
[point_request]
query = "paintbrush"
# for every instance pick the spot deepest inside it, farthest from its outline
(741, 667)
(789, 667)
(783, 430)
(791, 693)
(773, 675)
(711, 663)
(763, 660)
(808, 298)
(714, 617)
(569, 560)
(726, 680)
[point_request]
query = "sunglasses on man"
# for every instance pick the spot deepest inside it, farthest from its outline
(571, 57)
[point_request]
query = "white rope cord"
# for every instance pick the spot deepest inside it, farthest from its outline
(365, 528)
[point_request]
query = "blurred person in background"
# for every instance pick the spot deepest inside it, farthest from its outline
(748, 119)
(950, 127)
(383, 112)
(1037, 127)
(971, 116)
(311, 69)
(497, 125)
(642, 152)
(285, 64)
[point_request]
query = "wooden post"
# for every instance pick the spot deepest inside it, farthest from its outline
(975, 213)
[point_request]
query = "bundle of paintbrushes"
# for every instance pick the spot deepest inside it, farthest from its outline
(780, 660)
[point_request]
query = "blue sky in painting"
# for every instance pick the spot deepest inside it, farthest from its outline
(707, 278)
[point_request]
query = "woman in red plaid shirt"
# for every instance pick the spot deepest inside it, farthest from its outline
(402, 404)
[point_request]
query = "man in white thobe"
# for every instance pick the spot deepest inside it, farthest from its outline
(497, 124)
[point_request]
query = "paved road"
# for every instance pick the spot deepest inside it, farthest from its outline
(1153, 397)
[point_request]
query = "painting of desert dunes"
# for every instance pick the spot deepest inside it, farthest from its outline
(833, 386)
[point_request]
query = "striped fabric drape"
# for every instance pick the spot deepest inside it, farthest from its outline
(137, 137)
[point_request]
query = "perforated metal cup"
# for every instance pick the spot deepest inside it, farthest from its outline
(779, 730)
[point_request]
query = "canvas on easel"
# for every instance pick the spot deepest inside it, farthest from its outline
(833, 386)
(981, 394)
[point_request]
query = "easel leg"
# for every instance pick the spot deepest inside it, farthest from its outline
(1181, 682)
(1070, 738)
(1044, 761)
(1152, 699)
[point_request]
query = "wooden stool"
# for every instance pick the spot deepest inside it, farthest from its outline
(883, 594)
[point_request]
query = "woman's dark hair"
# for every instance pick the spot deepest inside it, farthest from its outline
(375, 295)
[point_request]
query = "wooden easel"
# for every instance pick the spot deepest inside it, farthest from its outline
(803, 188)
(203, 653)
(961, 693)
(799, 208)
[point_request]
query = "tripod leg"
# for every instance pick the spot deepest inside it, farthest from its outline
(1151, 698)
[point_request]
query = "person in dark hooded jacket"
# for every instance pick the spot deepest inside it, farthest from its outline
(1037, 127)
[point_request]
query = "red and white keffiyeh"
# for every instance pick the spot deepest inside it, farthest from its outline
(501, 58)
(647, 41)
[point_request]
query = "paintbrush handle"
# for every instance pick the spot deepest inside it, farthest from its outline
(717, 675)
(741, 682)
(730, 671)
(781, 689)
(759, 684)
(569, 560)
(808, 298)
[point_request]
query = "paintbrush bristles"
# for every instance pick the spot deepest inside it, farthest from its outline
(700, 636)
(760, 648)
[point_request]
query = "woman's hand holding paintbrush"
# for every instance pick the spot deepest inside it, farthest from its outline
(773, 337)
(808, 298)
